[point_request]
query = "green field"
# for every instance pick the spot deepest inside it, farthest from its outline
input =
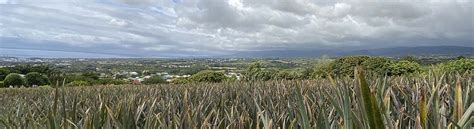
(431, 100)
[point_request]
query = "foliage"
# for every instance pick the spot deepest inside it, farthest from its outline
(180, 80)
(404, 67)
(2, 84)
(112, 82)
(292, 74)
(91, 75)
(154, 80)
(14, 79)
(208, 76)
(79, 83)
(410, 59)
(88, 79)
(3, 73)
(460, 66)
(322, 69)
(256, 72)
(419, 101)
(35, 78)
(377, 65)
(345, 66)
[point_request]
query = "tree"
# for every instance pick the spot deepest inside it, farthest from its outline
(35, 78)
(3, 73)
(404, 67)
(410, 59)
(208, 76)
(292, 74)
(154, 80)
(91, 75)
(345, 66)
(377, 65)
(78, 83)
(256, 72)
(180, 80)
(460, 66)
(14, 79)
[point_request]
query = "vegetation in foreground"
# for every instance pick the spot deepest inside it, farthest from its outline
(431, 100)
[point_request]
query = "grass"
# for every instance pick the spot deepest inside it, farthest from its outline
(433, 100)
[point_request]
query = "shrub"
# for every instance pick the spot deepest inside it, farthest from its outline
(14, 79)
(2, 84)
(460, 66)
(112, 82)
(180, 80)
(91, 75)
(78, 83)
(154, 80)
(257, 72)
(291, 74)
(208, 76)
(345, 66)
(410, 59)
(35, 78)
(3, 73)
(404, 67)
(377, 65)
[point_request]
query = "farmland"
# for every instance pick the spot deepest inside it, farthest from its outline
(433, 99)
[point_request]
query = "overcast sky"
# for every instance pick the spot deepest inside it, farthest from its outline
(163, 28)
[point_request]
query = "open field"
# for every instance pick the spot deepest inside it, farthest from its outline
(429, 101)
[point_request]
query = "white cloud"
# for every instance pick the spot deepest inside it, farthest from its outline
(216, 26)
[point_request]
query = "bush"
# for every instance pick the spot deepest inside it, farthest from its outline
(292, 74)
(180, 80)
(2, 84)
(377, 65)
(35, 78)
(322, 69)
(112, 82)
(460, 66)
(71, 78)
(78, 83)
(410, 59)
(14, 79)
(257, 72)
(345, 66)
(154, 80)
(208, 76)
(3, 73)
(404, 67)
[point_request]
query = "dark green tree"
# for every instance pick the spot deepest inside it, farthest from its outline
(154, 80)
(35, 78)
(410, 59)
(14, 79)
(256, 72)
(3, 73)
(91, 75)
(404, 67)
(377, 65)
(460, 66)
(345, 66)
(208, 76)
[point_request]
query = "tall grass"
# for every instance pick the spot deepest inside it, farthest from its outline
(430, 101)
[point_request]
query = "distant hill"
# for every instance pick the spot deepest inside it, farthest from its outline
(391, 52)
(417, 51)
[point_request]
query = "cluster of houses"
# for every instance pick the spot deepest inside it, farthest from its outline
(136, 78)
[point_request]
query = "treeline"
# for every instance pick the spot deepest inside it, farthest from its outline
(344, 67)
(44, 75)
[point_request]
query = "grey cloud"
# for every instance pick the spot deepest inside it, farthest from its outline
(218, 26)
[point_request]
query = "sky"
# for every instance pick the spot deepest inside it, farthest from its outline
(193, 28)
